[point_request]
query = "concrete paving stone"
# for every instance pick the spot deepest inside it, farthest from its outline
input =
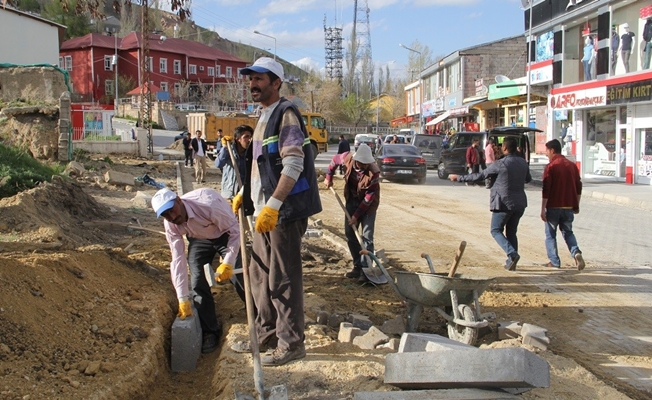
(185, 347)
(392, 344)
(371, 339)
(118, 178)
(394, 326)
(361, 321)
(458, 394)
(347, 332)
(508, 330)
(536, 341)
(417, 342)
(467, 368)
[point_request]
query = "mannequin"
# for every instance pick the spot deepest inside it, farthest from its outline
(589, 55)
(615, 44)
(647, 38)
(626, 47)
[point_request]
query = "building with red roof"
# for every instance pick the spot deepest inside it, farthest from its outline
(176, 65)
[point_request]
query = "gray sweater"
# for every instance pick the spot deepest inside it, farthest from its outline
(510, 173)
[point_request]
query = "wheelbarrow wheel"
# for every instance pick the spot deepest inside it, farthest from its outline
(461, 333)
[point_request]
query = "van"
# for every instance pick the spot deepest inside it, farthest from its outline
(452, 159)
(430, 148)
(368, 139)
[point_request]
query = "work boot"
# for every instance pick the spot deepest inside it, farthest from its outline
(244, 346)
(283, 356)
(354, 273)
(579, 261)
(209, 343)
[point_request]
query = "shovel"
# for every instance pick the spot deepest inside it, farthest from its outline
(373, 274)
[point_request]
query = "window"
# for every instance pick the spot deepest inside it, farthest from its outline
(218, 71)
(228, 72)
(61, 65)
(150, 63)
(68, 60)
(108, 65)
(193, 69)
(163, 65)
(211, 71)
(109, 88)
(177, 67)
(164, 86)
(238, 73)
(177, 89)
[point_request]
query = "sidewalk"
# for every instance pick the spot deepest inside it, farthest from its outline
(635, 196)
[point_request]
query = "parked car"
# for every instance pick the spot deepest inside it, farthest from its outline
(180, 136)
(401, 162)
(430, 147)
(453, 155)
(369, 140)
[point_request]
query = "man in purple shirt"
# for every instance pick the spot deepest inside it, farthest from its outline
(208, 222)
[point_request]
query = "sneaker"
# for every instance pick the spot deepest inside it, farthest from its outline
(244, 346)
(283, 356)
(209, 343)
(511, 265)
(579, 261)
(551, 265)
(354, 273)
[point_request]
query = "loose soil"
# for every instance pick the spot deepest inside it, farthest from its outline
(86, 310)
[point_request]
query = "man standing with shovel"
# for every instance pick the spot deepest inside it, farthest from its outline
(362, 195)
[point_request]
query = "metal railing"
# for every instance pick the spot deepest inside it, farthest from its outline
(96, 135)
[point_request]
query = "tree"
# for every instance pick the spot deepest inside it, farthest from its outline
(77, 24)
(419, 62)
(355, 109)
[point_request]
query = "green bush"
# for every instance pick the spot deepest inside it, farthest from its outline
(19, 171)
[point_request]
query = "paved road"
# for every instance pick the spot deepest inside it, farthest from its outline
(601, 316)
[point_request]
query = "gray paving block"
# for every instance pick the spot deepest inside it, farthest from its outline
(508, 330)
(348, 332)
(371, 339)
(185, 343)
(458, 394)
(467, 368)
(394, 326)
(414, 342)
(361, 321)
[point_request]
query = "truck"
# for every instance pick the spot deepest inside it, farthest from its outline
(209, 123)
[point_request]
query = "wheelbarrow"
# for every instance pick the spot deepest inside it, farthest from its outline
(442, 292)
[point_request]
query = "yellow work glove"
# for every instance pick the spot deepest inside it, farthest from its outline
(236, 203)
(184, 309)
(268, 217)
(223, 272)
(226, 140)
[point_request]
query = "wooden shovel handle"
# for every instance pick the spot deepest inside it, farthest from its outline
(456, 261)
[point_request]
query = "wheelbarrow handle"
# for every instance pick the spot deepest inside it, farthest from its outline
(429, 261)
(387, 275)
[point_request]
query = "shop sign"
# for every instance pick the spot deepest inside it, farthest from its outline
(480, 88)
(439, 105)
(428, 108)
(459, 111)
(586, 98)
(452, 102)
(541, 75)
(629, 92)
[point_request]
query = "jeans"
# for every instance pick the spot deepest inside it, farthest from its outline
(647, 53)
(506, 221)
(368, 222)
(625, 56)
(587, 70)
(562, 218)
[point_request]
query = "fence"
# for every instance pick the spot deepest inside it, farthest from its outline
(351, 131)
(100, 136)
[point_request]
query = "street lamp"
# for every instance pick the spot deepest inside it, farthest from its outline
(420, 68)
(271, 37)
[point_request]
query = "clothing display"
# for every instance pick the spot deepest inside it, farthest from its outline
(626, 40)
(615, 44)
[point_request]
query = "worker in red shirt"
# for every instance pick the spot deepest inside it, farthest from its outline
(562, 189)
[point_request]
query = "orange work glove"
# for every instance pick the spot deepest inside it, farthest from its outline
(185, 310)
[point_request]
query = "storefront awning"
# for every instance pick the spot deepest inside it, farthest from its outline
(439, 119)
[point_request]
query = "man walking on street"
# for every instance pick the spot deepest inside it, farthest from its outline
(199, 146)
(562, 189)
(282, 184)
(473, 157)
(187, 149)
(507, 197)
(211, 228)
(362, 196)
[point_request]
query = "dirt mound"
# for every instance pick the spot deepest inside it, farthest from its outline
(51, 213)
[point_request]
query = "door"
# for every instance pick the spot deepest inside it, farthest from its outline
(644, 156)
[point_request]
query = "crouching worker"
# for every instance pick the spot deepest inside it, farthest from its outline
(208, 222)
(362, 196)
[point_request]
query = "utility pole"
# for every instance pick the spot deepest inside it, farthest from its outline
(145, 87)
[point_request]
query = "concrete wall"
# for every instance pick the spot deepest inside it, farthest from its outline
(137, 148)
(27, 40)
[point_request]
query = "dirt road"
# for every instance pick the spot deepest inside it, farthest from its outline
(85, 312)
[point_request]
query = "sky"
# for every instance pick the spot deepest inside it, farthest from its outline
(296, 27)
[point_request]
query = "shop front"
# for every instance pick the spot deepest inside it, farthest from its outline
(611, 138)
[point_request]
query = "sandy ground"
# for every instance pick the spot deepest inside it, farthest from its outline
(85, 310)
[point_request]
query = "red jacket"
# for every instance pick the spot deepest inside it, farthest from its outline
(561, 183)
(473, 156)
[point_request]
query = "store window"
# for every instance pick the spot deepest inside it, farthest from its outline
(644, 156)
(601, 149)
(630, 44)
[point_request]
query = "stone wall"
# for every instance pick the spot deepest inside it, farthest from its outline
(31, 85)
